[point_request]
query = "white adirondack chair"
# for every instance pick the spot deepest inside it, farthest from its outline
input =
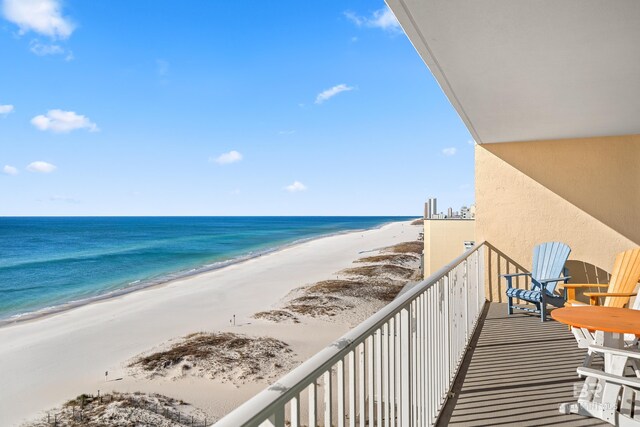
(610, 397)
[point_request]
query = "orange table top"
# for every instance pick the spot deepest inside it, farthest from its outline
(596, 318)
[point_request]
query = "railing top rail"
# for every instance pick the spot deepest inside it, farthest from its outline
(258, 408)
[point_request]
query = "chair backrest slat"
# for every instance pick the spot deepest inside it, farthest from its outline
(548, 262)
(624, 277)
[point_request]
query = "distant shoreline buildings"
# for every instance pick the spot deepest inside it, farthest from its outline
(431, 211)
(446, 235)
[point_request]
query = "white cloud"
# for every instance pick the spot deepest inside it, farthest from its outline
(42, 49)
(381, 18)
(10, 170)
(226, 158)
(60, 121)
(6, 109)
(162, 70)
(331, 92)
(40, 16)
(162, 67)
(63, 199)
(41, 167)
(449, 151)
(296, 187)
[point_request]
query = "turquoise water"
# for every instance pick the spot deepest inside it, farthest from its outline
(54, 262)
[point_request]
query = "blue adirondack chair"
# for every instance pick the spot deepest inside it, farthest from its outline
(547, 270)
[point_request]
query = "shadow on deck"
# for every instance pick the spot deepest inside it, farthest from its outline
(517, 372)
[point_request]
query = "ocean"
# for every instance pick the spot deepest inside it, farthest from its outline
(52, 263)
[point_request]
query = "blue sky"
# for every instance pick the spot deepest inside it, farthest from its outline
(113, 107)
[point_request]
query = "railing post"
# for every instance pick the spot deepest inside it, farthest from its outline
(405, 365)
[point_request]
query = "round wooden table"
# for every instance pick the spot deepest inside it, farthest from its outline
(596, 318)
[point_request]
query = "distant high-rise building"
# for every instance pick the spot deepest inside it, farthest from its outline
(430, 208)
(450, 213)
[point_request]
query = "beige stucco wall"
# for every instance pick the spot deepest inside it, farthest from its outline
(444, 240)
(584, 192)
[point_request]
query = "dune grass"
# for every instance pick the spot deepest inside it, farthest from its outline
(380, 270)
(388, 258)
(226, 355)
(415, 247)
(276, 316)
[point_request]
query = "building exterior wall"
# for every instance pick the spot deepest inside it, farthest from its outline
(444, 240)
(584, 192)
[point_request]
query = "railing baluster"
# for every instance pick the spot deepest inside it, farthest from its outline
(405, 365)
(370, 379)
(361, 386)
(447, 335)
(398, 369)
(295, 412)
(392, 371)
(418, 370)
(327, 398)
(429, 354)
(385, 374)
(414, 363)
(423, 349)
(341, 398)
(352, 388)
(378, 376)
(313, 404)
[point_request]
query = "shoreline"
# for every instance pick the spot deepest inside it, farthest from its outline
(48, 361)
(165, 279)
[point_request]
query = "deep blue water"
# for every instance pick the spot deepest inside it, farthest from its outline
(49, 262)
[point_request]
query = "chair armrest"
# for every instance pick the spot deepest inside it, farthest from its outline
(559, 279)
(586, 285)
(610, 294)
(515, 274)
(610, 378)
(615, 351)
(508, 278)
(593, 296)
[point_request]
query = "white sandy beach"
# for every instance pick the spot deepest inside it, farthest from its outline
(47, 361)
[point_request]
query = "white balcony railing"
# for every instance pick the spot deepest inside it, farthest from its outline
(394, 369)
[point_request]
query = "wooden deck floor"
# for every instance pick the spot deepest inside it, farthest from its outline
(517, 372)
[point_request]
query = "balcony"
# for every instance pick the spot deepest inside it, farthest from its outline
(439, 354)
(516, 371)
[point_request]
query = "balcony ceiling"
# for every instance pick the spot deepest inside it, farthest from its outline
(521, 70)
